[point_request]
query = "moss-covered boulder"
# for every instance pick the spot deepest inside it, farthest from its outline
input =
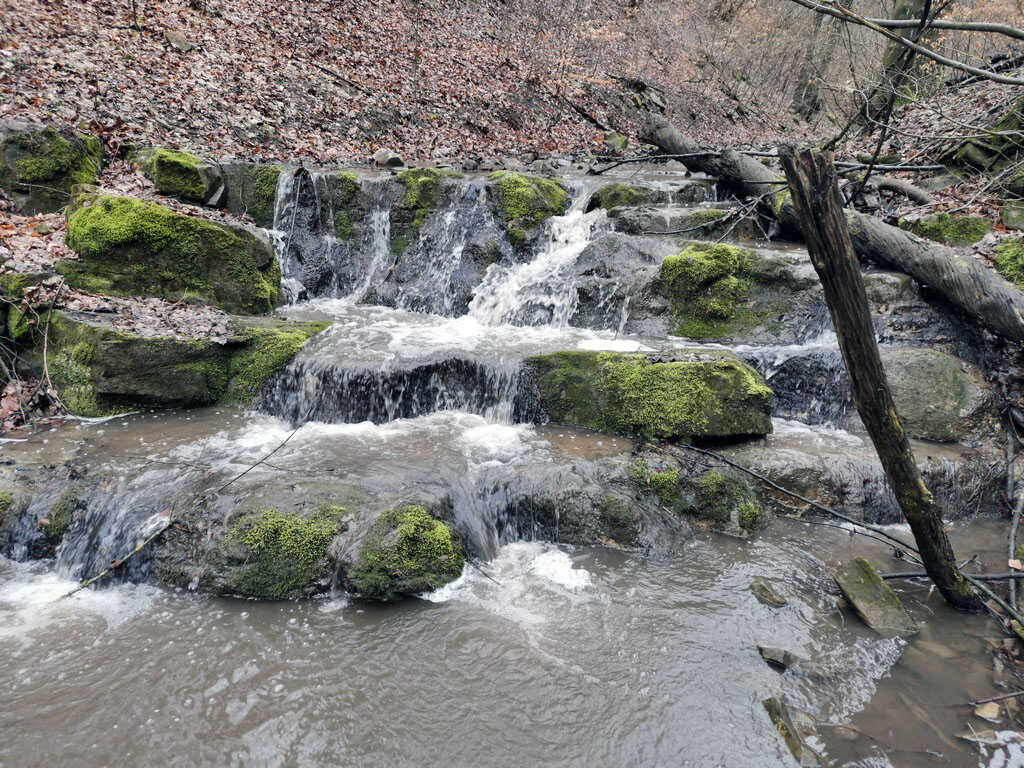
(39, 165)
(526, 202)
(251, 189)
(618, 195)
(697, 395)
(999, 149)
(273, 555)
(724, 499)
(720, 292)
(99, 370)
(406, 552)
(181, 175)
(1010, 260)
(133, 248)
(951, 230)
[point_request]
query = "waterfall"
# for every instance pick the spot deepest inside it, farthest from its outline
(541, 291)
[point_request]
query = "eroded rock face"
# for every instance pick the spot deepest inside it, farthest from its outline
(705, 395)
(99, 371)
(133, 248)
(39, 165)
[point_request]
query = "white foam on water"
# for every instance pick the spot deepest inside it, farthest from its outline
(556, 566)
(495, 443)
(29, 601)
(613, 345)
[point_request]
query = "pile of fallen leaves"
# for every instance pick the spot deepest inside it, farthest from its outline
(27, 401)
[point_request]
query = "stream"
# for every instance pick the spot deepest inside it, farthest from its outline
(541, 653)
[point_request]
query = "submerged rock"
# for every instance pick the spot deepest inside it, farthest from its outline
(705, 395)
(406, 552)
(873, 599)
(39, 165)
(131, 247)
(181, 175)
(766, 594)
(100, 371)
(796, 728)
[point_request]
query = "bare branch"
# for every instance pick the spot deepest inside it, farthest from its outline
(832, 9)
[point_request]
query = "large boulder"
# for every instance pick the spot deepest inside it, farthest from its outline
(694, 394)
(39, 165)
(718, 292)
(130, 247)
(938, 396)
(99, 370)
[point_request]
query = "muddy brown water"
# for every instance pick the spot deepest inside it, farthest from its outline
(558, 656)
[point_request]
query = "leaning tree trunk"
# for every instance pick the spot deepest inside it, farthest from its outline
(812, 182)
(963, 280)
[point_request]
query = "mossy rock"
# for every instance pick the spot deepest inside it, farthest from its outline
(181, 175)
(406, 552)
(133, 248)
(68, 505)
(420, 195)
(526, 202)
(706, 396)
(39, 165)
(725, 499)
(251, 189)
(99, 371)
(274, 555)
(997, 151)
(710, 290)
(951, 230)
(619, 195)
(344, 187)
(1010, 260)
(6, 502)
(873, 599)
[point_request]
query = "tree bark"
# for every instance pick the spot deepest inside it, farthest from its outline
(963, 280)
(815, 195)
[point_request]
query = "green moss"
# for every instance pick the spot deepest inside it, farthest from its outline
(752, 515)
(719, 494)
(285, 553)
(406, 552)
(46, 155)
(69, 369)
(639, 472)
(344, 188)
(666, 486)
(1010, 260)
(708, 286)
(526, 202)
(616, 195)
(64, 510)
(178, 174)
(6, 502)
(422, 188)
(629, 394)
(264, 183)
(267, 350)
(130, 247)
(952, 230)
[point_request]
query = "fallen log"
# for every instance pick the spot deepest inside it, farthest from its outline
(966, 282)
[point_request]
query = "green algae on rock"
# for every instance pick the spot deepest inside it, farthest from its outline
(951, 230)
(63, 512)
(273, 555)
(525, 202)
(99, 371)
(181, 175)
(251, 189)
(422, 191)
(39, 165)
(406, 552)
(705, 396)
(709, 289)
(618, 195)
(133, 248)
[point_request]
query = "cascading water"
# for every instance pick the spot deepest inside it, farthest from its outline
(540, 291)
